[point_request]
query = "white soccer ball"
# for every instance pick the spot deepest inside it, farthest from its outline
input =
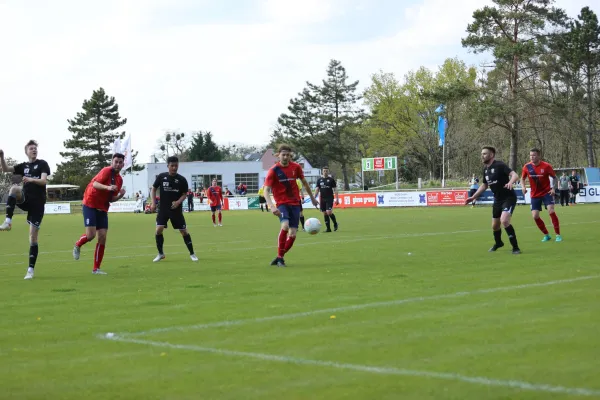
(312, 226)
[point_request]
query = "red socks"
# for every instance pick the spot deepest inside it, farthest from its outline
(555, 223)
(281, 243)
(541, 225)
(98, 255)
(289, 243)
(82, 240)
(220, 217)
(213, 218)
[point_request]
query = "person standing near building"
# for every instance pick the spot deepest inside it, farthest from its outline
(474, 185)
(563, 187)
(574, 185)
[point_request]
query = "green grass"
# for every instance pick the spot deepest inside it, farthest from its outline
(541, 335)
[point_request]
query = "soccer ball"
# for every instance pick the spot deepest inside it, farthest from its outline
(312, 226)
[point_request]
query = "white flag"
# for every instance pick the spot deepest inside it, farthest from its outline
(126, 151)
(116, 147)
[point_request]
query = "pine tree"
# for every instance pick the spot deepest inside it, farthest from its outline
(94, 131)
(203, 148)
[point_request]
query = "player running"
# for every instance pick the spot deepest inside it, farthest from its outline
(214, 193)
(281, 180)
(30, 198)
(500, 179)
(104, 188)
(173, 190)
(326, 187)
(538, 173)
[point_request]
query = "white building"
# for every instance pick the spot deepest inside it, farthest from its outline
(229, 174)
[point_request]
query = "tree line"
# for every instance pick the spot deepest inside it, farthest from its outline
(540, 90)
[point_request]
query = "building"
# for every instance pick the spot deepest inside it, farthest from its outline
(229, 174)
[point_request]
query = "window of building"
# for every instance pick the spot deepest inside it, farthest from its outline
(251, 181)
(199, 181)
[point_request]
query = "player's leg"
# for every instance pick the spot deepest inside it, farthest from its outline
(220, 215)
(15, 195)
(293, 222)
(549, 201)
(536, 208)
(161, 222)
(505, 220)
(301, 216)
(178, 222)
(496, 225)
(89, 221)
(331, 214)
(213, 210)
(323, 207)
(284, 218)
(34, 219)
(102, 231)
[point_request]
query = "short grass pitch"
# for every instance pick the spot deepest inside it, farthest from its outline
(399, 303)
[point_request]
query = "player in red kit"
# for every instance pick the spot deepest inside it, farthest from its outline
(281, 181)
(539, 172)
(214, 193)
(103, 189)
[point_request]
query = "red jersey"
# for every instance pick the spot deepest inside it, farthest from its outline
(215, 195)
(282, 181)
(100, 199)
(539, 178)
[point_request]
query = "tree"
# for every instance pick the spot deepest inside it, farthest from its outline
(514, 30)
(322, 121)
(174, 144)
(301, 128)
(94, 130)
(203, 148)
(6, 179)
(580, 49)
(339, 116)
(240, 152)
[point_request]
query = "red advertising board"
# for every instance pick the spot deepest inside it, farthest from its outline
(348, 200)
(379, 163)
(447, 198)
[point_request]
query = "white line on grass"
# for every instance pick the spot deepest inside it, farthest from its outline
(514, 384)
(354, 307)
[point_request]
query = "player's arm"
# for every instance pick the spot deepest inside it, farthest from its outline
(5, 167)
(482, 188)
(554, 181)
(269, 201)
(523, 184)
(221, 198)
(103, 176)
(306, 187)
(42, 180)
(514, 177)
(118, 196)
(153, 195)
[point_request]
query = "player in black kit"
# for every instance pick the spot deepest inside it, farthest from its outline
(31, 198)
(500, 179)
(173, 190)
(326, 187)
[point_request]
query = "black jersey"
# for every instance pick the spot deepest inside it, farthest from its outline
(326, 186)
(171, 188)
(496, 175)
(33, 192)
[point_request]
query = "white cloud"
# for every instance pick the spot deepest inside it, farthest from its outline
(232, 79)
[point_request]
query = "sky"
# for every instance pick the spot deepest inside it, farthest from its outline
(226, 66)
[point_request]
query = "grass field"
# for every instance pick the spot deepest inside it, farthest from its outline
(398, 304)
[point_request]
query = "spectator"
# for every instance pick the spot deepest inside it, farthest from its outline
(242, 189)
(563, 187)
(228, 192)
(574, 185)
(474, 185)
(190, 200)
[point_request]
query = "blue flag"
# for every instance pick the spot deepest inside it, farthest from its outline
(442, 129)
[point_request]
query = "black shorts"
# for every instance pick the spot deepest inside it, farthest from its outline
(176, 217)
(35, 211)
(503, 205)
(262, 200)
(326, 204)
